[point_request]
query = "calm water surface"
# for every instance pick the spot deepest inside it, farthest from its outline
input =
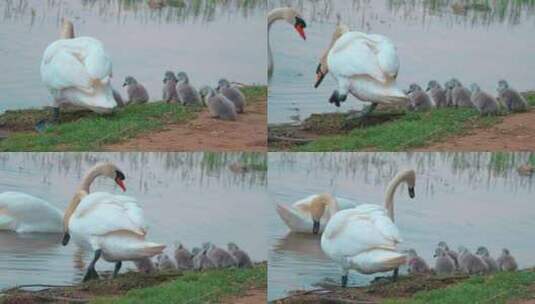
(433, 42)
(468, 199)
(191, 197)
(207, 39)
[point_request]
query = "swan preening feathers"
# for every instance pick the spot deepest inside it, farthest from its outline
(78, 71)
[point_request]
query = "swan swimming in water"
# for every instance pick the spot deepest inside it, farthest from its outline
(363, 65)
(311, 214)
(78, 71)
(365, 238)
(289, 15)
(111, 226)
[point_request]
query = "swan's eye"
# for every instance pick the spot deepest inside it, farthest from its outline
(119, 175)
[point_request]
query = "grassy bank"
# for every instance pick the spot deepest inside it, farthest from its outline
(134, 287)
(87, 131)
(404, 132)
(503, 287)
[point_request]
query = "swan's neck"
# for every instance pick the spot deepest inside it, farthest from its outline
(277, 14)
(390, 191)
(71, 208)
(88, 180)
(340, 30)
(67, 31)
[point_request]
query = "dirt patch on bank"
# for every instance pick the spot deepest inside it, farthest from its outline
(247, 133)
(251, 296)
(515, 133)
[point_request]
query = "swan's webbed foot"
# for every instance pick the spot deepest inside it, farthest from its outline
(344, 281)
(116, 270)
(44, 124)
(337, 98)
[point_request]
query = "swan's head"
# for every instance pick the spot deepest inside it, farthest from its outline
(502, 86)
(207, 245)
(414, 88)
(169, 76)
(433, 84)
(454, 82)
(206, 92)
(318, 206)
(442, 245)
(505, 251)
(67, 29)
(182, 77)
(483, 251)
(410, 178)
(232, 247)
(195, 251)
(411, 253)
(475, 88)
(129, 80)
(293, 17)
(439, 252)
(462, 250)
(223, 83)
(109, 170)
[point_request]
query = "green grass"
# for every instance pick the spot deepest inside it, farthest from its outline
(412, 130)
(196, 287)
(92, 131)
(499, 288)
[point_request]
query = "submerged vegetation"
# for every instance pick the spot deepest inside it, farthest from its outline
(171, 287)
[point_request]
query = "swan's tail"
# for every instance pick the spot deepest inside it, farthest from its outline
(295, 221)
(378, 260)
(128, 246)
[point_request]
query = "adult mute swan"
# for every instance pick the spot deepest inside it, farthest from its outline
(365, 65)
(111, 226)
(289, 15)
(78, 71)
(311, 214)
(23, 213)
(365, 238)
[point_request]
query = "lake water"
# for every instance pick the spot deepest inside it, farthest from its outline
(187, 197)
(469, 199)
(433, 42)
(207, 39)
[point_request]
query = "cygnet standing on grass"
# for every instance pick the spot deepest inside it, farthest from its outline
(169, 93)
(137, 94)
(218, 105)
(164, 263)
(470, 263)
(483, 252)
(444, 264)
(484, 102)
(452, 254)
(506, 262)
(218, 256)
(513, 100)
(183, 258)
(233, 94)
(187, 94)
(437, 94)
(416, 263)
(418, 99)
(201, 260)
(145, 265)
(241, 257)
(460, 96)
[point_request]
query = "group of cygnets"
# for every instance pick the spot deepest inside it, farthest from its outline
(449, 261)
(454, 94)
(208, 257)
(224, 102)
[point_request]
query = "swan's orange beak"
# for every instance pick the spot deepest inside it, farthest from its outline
(121, 184)
(301, 30)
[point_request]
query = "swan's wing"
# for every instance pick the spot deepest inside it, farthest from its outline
(352, 231)
(22, 205)
(101, 213)
(356, 54)
(344, 203)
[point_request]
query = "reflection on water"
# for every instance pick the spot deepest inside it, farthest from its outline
(207, 39)
(469, 199)
(434, 41)
(191, 197)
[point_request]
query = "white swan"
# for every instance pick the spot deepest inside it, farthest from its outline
(23, 213)
(365, 238)
(289, 15)
(311, 214)
(364, 65)
(78, 71)
(112, 226)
